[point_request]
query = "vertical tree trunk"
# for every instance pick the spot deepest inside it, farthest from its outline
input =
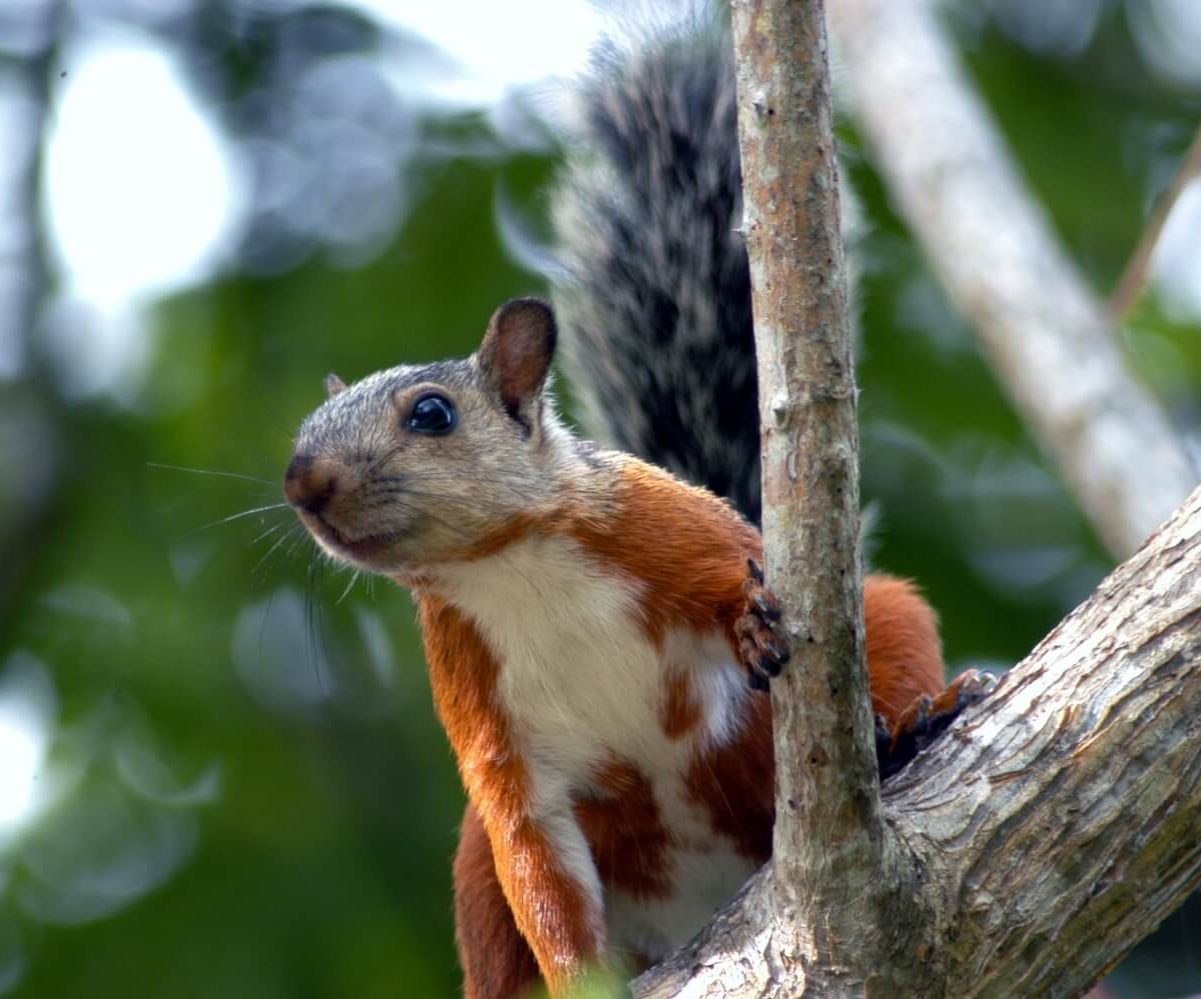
(829, 846)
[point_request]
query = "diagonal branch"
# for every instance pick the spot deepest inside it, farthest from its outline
(1055, 826)
(1063, 822)
(1045, 333)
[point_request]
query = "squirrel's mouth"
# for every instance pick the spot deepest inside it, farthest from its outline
(364, 549)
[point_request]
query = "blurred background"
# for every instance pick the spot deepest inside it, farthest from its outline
(220, 773)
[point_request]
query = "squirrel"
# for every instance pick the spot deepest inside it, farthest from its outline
(596, 625)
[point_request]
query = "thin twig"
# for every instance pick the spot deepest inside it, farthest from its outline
(1129, 288)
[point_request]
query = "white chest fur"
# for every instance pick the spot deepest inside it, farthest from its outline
(579, 677)
(582, 685)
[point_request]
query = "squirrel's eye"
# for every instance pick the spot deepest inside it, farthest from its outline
(432, 414)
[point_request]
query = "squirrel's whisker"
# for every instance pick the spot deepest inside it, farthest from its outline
(354, 578)
(315, 641)
(214, 472)
(270, 530)
(295, 532)
(236, 516)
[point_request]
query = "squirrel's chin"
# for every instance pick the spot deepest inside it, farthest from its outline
(373, 552)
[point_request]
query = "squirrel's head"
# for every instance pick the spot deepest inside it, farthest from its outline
(421, 464)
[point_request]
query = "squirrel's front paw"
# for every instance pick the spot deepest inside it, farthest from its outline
(762, 648)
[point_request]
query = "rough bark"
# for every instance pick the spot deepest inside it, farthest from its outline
(1046, 334)
(1054, 825)
(828, 845)
(1050, 830)
(1062, 822)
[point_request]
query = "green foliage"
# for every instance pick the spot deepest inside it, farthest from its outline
(248, 792)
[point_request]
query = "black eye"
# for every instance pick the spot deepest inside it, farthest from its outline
(432, 414)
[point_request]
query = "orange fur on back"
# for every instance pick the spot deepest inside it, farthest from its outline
(904, 654)
(689, 549)
(685, 547)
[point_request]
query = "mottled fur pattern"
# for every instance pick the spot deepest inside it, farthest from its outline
(656, 310)
(653, 287)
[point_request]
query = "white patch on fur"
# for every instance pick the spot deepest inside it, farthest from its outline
(581, 685)
(577, 674)
(652, 929)
(717, 683)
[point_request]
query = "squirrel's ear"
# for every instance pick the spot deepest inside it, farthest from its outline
(516, 353)
(333, 385)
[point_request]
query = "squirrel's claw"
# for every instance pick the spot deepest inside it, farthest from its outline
(926, 719)
(755, 570)
(762, 648)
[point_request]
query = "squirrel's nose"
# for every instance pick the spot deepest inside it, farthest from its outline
(309, 484)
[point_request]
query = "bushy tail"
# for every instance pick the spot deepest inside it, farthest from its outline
(654, 306)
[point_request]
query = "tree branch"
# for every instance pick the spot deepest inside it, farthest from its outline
(1062, 823)
(1045, 333)
(1134, 276)
(819, 918)
(1053, 827)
